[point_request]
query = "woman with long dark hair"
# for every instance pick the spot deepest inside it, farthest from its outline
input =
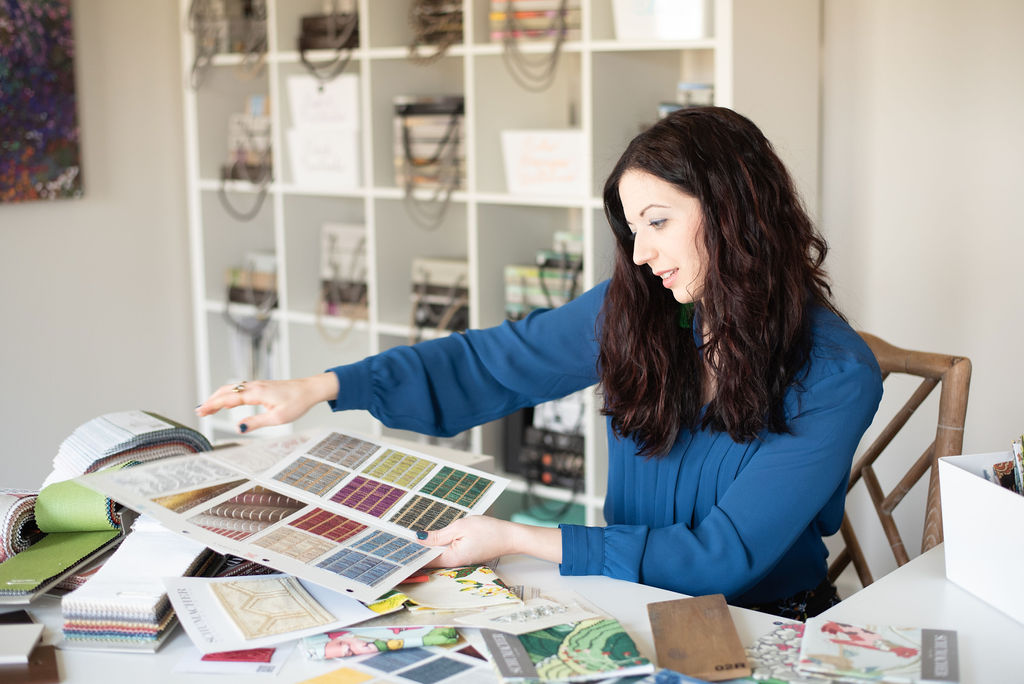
(734, 390)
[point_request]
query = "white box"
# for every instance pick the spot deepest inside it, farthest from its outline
(544, 162)
(983, 531)
(662, 19)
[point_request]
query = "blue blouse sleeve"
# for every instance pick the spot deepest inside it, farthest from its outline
(776, 496)
(447, 385)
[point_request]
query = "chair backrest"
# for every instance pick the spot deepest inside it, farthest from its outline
(953, 375)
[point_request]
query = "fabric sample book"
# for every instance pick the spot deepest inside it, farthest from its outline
(18, 528)
(50, 535)
(335, 509)
(113, 438)
(124, 606)
(78, 523)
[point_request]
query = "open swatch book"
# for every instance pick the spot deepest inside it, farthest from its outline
(338, 510)
(52, 533)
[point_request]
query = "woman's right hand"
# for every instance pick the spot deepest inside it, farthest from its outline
(283, 400)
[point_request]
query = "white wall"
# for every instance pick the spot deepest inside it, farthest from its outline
(95, 308)
(922, 179)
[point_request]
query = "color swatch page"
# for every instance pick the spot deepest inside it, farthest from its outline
(336, 509)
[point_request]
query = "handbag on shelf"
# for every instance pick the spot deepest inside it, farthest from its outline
(249, 158)
(434, 23)
(429, 153)
(440, 295)
(337, 30)
(220, 28)
(343, 290)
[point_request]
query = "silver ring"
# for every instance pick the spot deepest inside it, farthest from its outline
(240, 387)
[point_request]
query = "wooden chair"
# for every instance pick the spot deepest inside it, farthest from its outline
(953, 374)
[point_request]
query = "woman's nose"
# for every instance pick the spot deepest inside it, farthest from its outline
(641, 250)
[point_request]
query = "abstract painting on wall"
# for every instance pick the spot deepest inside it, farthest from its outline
(39, 151)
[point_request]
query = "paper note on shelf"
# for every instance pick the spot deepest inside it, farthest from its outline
(649, 20)
(544, 162)
(339, 510)
(324, 157)
(333, 103)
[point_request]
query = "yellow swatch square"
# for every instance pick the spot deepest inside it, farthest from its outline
(345, 675)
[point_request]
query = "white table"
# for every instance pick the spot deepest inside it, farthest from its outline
(919, 595)
(916, 594)
(623, 600)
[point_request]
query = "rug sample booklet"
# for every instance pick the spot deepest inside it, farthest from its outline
(588, 650)
(878, 653)
(338, 510)
(241, 613)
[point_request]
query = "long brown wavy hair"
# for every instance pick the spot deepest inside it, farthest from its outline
(764, 272)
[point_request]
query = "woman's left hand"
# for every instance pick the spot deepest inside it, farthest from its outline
(479, 538)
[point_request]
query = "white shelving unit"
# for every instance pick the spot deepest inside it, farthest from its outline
(763, 60)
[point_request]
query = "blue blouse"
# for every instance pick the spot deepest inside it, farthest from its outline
(713, 515)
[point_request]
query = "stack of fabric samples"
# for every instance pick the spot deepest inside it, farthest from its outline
(122, 437)
(76, 525)
(18, 528)
(50, 535)
(124, 606)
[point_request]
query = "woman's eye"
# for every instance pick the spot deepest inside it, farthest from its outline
(657, 223)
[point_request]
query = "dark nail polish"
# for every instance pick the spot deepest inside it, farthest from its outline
(421, 534)
(243, 427)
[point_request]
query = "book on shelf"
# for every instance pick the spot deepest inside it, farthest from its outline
(535, 19)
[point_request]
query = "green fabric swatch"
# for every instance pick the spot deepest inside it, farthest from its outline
(49, 557)
(70, 507)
